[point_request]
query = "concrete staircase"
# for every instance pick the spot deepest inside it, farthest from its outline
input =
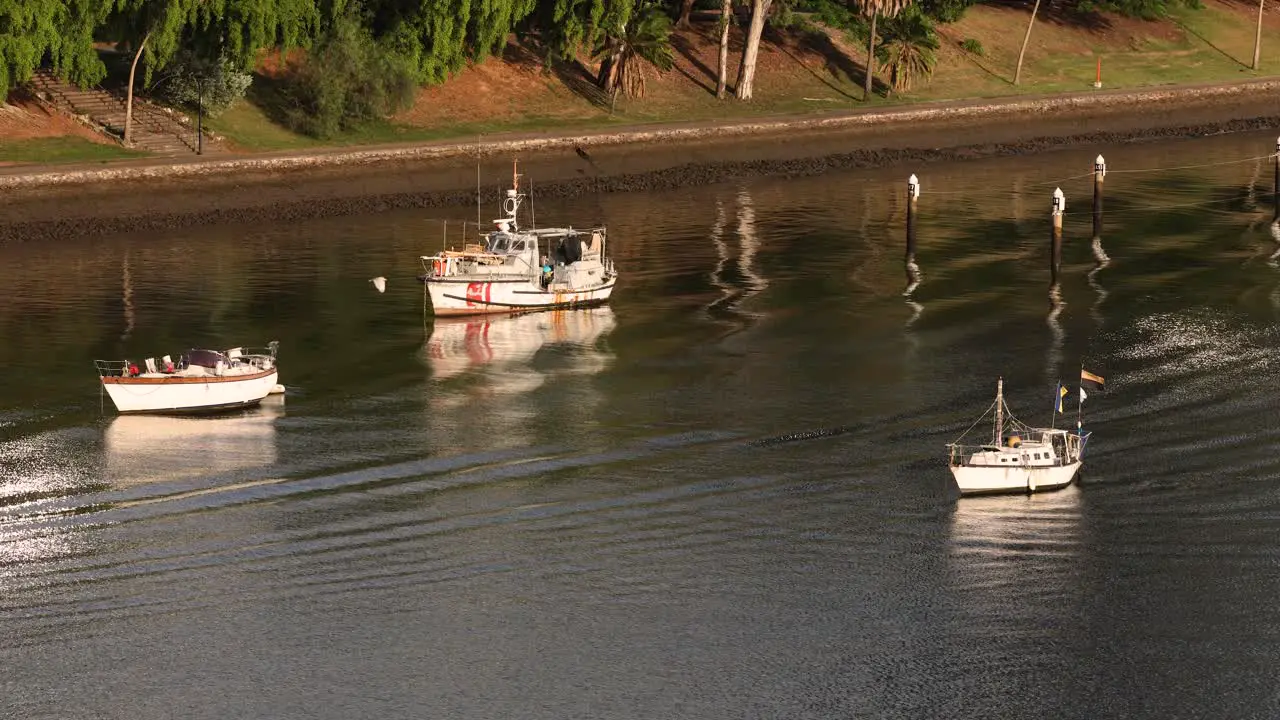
(155, 130)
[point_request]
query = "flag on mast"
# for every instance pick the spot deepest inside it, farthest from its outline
(1057, 402)
(1088, 377)
(1083, 394)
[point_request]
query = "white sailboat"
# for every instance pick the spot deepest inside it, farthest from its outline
(1019, 458)
(515, 270)
(199, 381)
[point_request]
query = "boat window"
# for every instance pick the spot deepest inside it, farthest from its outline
(1037, 456)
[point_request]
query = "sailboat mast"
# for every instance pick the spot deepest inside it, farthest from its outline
(1080, 402)
(999, 412)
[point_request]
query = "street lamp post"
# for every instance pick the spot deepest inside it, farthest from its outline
(200, 116)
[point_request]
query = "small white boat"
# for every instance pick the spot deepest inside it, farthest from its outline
(514, 270)
(1019, 458)
(199, 381)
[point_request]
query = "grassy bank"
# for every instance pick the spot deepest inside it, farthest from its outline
(61, 149)
(812, 69)
(803, 69)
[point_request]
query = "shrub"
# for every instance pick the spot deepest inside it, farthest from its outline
(190, 81)
(347, 80)
(945, 11)
(973, 46)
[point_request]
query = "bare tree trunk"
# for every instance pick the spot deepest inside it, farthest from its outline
(1257, 39)
(686, 9)
(608, 68)
(1017, 73)
(722, 76)
(747, 71)
(871, 57)
(128, 105)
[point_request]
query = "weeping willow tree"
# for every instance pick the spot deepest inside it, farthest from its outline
(237, 29)
(440, 36)
(61, 29)
(645, 39)
(909, 48)
(568, 26)
(28, 29)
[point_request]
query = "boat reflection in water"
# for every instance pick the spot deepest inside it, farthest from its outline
(487, 369)
(1005, 546)
(148, 448)
(503, 349)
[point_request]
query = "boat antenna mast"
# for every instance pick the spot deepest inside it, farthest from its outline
(511, 203)
(999, 424)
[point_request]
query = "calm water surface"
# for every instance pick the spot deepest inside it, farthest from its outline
(725, 496)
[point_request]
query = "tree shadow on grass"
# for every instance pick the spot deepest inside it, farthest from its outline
(974, 59)
(575, 76)
(1206, 41)
(532, 53)
(270, 94)
(681, 44)
(836, 61)
(522, 55)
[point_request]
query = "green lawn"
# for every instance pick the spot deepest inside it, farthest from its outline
(1213, 43)
(248, 127)
(64, 149)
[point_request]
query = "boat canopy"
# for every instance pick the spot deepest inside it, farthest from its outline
(206, 358)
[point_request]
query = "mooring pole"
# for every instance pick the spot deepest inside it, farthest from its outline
(913, 270)
(1099, 172)
(1055, 248)
(913, 194)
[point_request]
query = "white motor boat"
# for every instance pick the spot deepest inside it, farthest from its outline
(199, 381)
(1019, 458)
(515, 270)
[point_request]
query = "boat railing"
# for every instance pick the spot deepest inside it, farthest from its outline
(449, 263)
(258, 357)
(112, 368)
(960, 455)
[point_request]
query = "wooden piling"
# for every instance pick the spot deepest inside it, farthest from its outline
(1275, 199)
(1099, 172)
(913, 194)
(1055, 247)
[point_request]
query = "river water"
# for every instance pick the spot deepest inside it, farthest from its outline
(724, 496)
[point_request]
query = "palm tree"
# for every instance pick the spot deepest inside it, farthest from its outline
(909, 50)
(645, 38)
(873, 9)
